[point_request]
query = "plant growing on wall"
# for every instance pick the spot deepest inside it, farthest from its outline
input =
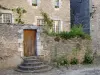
(48, 23)
(88, 57)
(61, 61)
(74, 60)
(20, 12)
(76, 31)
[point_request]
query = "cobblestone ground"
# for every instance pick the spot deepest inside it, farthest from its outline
(93, 69)
(73, 70)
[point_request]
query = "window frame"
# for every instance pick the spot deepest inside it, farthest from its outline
(2, 15)
(55, 27)
(57, 4)
(35, 4)
(39, 22)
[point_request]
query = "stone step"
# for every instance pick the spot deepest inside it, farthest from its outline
(31, 57)
(32, 60)
(34, 71)
(32, 64)
(32, 67)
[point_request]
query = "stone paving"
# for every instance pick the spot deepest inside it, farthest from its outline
(76, 70)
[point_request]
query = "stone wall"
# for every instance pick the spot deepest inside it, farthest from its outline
(8, 40)
(53, 49)
(33, 13)
(95, 25)
(11, 45)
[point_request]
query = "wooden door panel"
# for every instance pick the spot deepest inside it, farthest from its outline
(29, 42)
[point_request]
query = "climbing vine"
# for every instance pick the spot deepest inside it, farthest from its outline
(20, 12)
(48, 23)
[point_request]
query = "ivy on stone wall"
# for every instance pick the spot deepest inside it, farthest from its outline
(20, 12)
(48, 23)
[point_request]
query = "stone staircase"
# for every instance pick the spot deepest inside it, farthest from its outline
(33, 64)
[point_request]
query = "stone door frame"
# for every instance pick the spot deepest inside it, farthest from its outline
(21, 39)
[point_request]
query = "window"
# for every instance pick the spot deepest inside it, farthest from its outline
(57, 26)
(5, 18)
(57, 3)
(34, 2)
(40, 22)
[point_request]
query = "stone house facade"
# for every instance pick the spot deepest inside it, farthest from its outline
(58, 10)
(25, 40)
(12, 35)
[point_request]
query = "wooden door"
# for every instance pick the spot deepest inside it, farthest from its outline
(29, 42)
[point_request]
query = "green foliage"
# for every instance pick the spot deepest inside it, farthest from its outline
(87, 37)
(75, 52)
(57, 39)
(34, 4)
(88, 58)
(76, 31)
(63, 35)
(61, 61)
(74, 61)
(20, 12)
(56, 6)
(48, 23)
(52, 34)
